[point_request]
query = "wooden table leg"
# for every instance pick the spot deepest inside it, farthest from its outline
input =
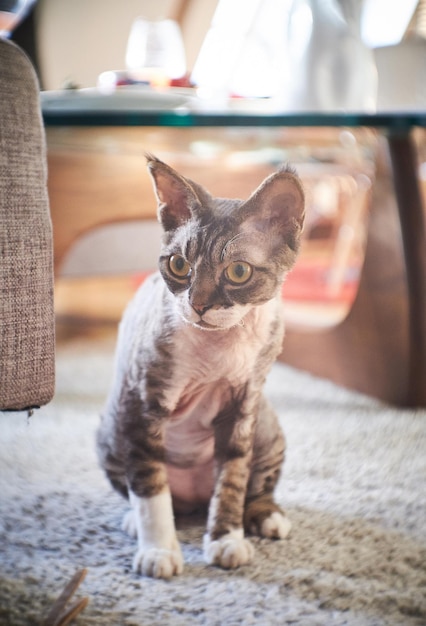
(380, 348)
(413, 228)
(369, 350)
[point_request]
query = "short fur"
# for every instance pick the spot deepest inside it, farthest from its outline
(186, 424)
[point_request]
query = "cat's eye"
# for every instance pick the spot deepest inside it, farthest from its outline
(238, 272)
(179, 266)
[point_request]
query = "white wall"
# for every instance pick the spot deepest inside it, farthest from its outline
(79, 39)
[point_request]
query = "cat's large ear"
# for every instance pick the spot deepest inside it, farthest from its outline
(278, 206)
(175, 197)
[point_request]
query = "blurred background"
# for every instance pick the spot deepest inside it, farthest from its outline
(79, 40)
(298, 54)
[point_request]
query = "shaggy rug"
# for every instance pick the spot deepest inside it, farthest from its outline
(354, 486)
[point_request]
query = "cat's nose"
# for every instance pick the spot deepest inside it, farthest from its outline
(200, 309)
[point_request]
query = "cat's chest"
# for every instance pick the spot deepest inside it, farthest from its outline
(188, 431)
(207, 365)
(207, 356)
(203, 357)
(201, 386)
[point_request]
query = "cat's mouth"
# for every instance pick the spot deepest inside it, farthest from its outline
(200, 323)
(217, 319)
(217, 322)
(205, 325)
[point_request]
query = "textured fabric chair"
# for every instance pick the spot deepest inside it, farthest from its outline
(27, 335)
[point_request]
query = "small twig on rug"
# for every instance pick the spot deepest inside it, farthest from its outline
(58, 614)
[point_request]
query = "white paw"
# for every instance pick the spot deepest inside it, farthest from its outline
(230, 551)
(128, 525)
(276, 526)
(158, 562)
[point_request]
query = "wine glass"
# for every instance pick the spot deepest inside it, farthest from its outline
(155, 53)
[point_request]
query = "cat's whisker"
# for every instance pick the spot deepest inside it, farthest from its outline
(229, 243)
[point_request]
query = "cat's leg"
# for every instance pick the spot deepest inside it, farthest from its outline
(139, 438)
(108, 456)
(143, 480)
(224, 542)
(159, 554)
(262, 516)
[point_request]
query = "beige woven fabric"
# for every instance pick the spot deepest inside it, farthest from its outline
(26, 268)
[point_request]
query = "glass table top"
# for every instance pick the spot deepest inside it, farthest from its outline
(73, 110)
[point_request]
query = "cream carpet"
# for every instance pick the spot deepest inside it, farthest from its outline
(354, 486)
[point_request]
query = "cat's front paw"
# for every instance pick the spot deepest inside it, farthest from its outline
(158, 562)
(229, 551)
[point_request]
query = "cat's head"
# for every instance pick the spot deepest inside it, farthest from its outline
(221, 257)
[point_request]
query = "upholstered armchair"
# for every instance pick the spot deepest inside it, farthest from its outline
(27, 335)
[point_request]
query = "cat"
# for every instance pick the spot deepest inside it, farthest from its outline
(186, 424)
